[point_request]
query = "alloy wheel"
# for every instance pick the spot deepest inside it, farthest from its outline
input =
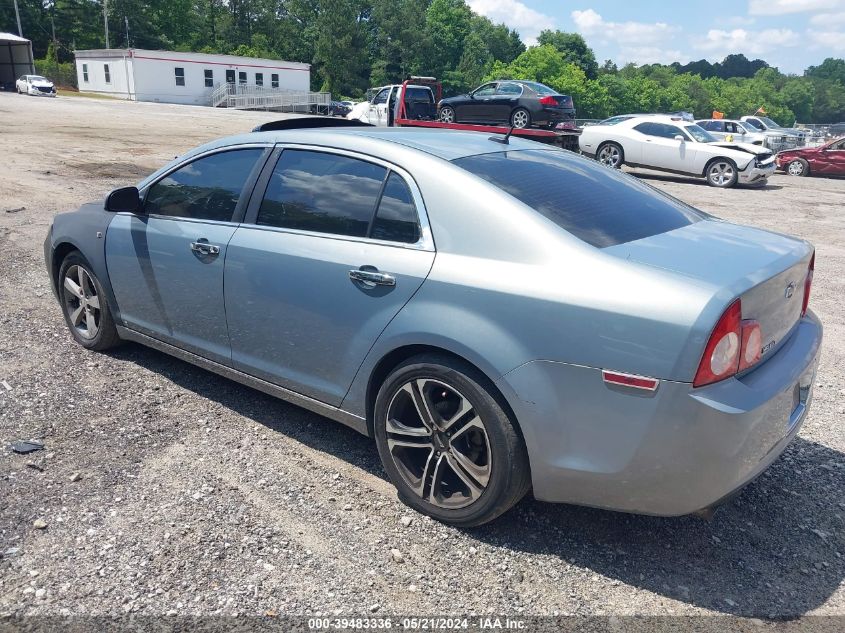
(520, 119)
(721, 173)
(796, 168)
(447, 115)
(81, 301)
(610, 155)
(438, 443)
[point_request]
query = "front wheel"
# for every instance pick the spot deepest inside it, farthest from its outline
(84, 305)
(446, 442)
(447, 115)
(721, 173)
(798, 167)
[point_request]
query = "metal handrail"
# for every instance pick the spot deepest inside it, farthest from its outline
(255, 97)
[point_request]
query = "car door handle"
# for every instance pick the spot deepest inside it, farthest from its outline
(204, 248)
(372, 277)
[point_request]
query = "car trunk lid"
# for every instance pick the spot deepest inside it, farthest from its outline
(765, 270)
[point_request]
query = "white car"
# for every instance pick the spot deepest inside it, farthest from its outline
(35, 85)
(381, 108)
(669, 143)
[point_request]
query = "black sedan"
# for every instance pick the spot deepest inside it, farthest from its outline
(519, 103)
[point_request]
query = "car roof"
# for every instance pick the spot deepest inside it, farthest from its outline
(379, 141)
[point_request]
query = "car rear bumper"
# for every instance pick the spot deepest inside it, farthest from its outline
(670, 452)
(555, 115)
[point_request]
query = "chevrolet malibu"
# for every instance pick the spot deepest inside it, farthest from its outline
(498, 315)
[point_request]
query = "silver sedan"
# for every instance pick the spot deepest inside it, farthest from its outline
(499, 316)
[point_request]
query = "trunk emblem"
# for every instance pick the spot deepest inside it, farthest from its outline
(790, 290)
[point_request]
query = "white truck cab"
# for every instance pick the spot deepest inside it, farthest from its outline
(381, 109)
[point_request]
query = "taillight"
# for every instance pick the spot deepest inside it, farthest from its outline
(808, 282)
(752, 344)
(721, 355)
(548, 101)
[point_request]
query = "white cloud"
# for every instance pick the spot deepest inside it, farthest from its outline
(590, 23)
(826, 40)
(719, 43)
(781, 7)
(828, 19)
(516, 15)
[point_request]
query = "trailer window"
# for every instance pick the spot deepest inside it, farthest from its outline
(107, 73)
(242, 77)
(209, 78)
(85, 72)
(600, 206)
(180, 76)
(274, 80)
(259, 79)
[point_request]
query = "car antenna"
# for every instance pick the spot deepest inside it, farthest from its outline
(505, 140)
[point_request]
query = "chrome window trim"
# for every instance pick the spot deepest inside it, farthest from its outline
(426, 241)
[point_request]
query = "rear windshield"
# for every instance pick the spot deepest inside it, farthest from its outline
(423, 95)
(598, 205)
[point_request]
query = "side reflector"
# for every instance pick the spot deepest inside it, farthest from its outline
(629, 380)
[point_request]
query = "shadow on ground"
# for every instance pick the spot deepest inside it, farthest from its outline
(775, 551)
(691, 180)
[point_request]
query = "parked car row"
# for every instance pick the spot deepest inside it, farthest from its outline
(672, 144)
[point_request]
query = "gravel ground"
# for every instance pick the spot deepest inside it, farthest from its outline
(166, 489)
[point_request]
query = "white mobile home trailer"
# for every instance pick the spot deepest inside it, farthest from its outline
(176, 77)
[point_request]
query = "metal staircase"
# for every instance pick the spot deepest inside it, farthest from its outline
(253, 97)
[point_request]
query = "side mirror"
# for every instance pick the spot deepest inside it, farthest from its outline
(124, 200)
(680, 138)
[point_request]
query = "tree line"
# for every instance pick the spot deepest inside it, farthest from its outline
(355, 44)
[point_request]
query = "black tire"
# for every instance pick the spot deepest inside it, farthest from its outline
(798, 167)
(508, 477)
(105, 336)
(447, 115)
(611, 155)
(520, 119)
(721, 173)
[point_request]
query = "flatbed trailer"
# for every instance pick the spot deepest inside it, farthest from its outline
(564, 138)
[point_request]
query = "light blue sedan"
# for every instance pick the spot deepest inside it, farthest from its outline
(498, 315)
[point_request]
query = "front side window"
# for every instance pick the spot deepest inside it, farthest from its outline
(107, 73)
(381, 96)
(85, 72)
(241, 77)
(486, 90)
(259, 79)
(274, 80)
(600, 206)
(209, 78)
(321, 192)
(699, 134)
(180, 76)
(206, 189)
(396, 218)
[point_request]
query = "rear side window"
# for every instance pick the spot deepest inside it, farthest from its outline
(396, 219)
(600, 206)
(326, 193)
(207, 189)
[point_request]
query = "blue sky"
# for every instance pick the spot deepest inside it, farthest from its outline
(789, 34)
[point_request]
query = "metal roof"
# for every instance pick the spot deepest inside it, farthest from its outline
(10, 37)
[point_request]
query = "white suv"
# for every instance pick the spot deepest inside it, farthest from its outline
(671, 144)
(35, 85)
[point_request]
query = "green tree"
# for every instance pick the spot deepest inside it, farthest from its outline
(574, 49)
(448, 23)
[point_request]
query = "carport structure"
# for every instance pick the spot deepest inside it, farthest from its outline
(15, 59)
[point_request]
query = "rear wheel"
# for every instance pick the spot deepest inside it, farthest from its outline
(446, 442)
(722, 173)
(447, 114)
(798, 167)
(520, 118)
(610, 155)
(84, 305)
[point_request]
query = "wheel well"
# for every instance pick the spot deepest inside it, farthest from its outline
(400, 355)
(59, 253)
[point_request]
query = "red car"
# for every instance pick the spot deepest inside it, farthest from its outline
(826, 160)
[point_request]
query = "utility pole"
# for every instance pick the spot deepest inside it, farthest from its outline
(126, 21)
(18, 16)
(53, 24)
(106, 20)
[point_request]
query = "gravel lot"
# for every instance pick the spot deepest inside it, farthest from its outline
(166, 489)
